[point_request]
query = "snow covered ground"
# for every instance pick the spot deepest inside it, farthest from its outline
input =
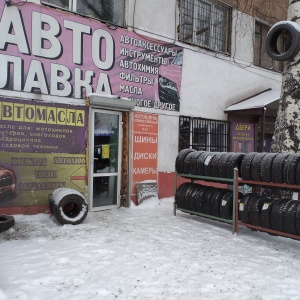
(145, 252)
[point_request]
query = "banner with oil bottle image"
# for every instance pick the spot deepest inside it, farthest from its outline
(29, 178)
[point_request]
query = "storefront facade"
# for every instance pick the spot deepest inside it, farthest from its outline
(100, 106)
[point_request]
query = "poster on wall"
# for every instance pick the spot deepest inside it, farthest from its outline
(57, 53)
(29, 178)
(42, 147)
(242, 137)
(145, 143)
(32, 126)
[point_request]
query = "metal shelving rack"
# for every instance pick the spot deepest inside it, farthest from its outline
(232, 181)
(236, 182)
(266, 184)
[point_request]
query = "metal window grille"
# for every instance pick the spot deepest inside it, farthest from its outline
(206, 24)
(203, 134)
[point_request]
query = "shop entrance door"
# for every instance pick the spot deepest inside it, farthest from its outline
(105, 154)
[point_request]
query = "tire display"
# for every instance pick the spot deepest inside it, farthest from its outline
(6, 222)
(179, 163)
(246, 165)
(265, 213)
(216, 200)
(226, 205)
(290, 169)
(278, 167)
(256, 166)
(289, 216)
(254, 209)
(68, 206)
(266, 167)
(269, 207)
(204, 199)
(286, 28)
(205, 163)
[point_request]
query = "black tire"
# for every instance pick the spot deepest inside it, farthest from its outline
(278, 166)
(6, 222)
(207, 200)
(254, 210)
(256, 166)
(206, 163)
(222, 164)
(70, 207)
(297, 220)
(265, 213)
(193, 197)
(244, 204)
(193, 167)
(215, 164)
(200, 201)
(289, 216)
(246, 165)
(180, 191)
(289, 28)
(200, 162)
(234, 161)
(226, 206)
(298, 174)
(179, 163)
(290, 169)
(186, 196)
(277, 215)
(266, 167)
(216, 202)
(188, 162)
(208, 168)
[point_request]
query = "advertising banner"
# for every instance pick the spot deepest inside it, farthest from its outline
(145, 135)
(29, 178)
(42, 147)
(242, 137)
(27, 126)
(52, 52)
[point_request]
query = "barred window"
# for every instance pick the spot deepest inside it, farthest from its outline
(203, 134)
(206, 24)
(261, 57)
(112, 11)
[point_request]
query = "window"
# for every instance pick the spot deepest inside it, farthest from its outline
(206, 24)
(203, 134)
(111, 11)
(261, 57)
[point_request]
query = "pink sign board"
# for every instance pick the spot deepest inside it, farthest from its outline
(52, 52)
(242, 137)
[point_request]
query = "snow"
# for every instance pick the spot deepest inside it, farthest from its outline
(60, 193)
(145, 252)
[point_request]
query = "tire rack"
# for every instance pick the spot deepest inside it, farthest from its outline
(233, 181)
(238, 182)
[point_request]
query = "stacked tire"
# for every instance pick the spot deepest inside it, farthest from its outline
(271, 167)
(203, 199)
(211, 164)
(279, 215)
(68, 206)
(274, 210)
(6, 222)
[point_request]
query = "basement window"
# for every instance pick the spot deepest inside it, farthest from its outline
(111, 11)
